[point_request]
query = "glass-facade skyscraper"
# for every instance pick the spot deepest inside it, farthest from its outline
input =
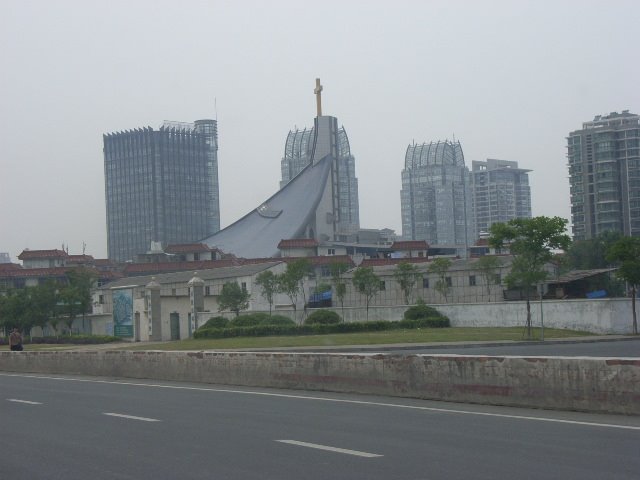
(604, 175)
(500, 192)
(298, 152)
(161, 186)
(436, 195)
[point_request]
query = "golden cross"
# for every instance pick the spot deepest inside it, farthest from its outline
(318, 92)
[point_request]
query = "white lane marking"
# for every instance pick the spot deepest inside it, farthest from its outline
(330, 449)
(131, 417)
(28, 402)
(335, 400)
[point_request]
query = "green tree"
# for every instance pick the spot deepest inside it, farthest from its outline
(531, 241)
(291, 281)
(591, 254)
(489, 266)
(337, 270)
(42, 303)
(441, 266)
(366, 283)
(233, 297)
(75, 296)
(268, 283)
(626, 252)
(407, 275)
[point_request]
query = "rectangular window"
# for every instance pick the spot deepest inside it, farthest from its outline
(498, 278)
(244, 286)
(331, 251)
(448, 281)
(425, 282)
(383, 285)
(207, 290)
(472, 280)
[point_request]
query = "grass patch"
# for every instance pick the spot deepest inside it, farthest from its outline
(427, 335)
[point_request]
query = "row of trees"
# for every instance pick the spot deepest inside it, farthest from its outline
(48, 303)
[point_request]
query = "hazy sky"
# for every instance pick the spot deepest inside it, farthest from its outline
(510, 79)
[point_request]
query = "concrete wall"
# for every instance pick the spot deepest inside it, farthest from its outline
(586, 384)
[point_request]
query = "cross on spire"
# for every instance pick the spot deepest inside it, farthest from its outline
(318, 92)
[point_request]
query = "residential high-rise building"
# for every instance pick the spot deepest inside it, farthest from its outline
(161, 186)
(604, 174)
(500, 192)
(436, 195)
(298, 153)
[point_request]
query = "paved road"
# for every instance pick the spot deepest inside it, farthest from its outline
(79, 428)
(626, 347)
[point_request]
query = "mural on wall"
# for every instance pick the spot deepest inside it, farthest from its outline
(123, 313)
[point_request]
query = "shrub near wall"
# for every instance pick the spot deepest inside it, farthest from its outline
(320, 329)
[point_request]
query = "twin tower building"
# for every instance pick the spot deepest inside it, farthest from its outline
(162, 186)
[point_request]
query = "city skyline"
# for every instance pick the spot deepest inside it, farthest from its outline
(508, 80)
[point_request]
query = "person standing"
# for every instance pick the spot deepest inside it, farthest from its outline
(15, 341)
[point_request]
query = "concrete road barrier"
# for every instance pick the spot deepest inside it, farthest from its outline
(567, 383)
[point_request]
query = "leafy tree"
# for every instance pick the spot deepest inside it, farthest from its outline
(407, 275)
(592, 253)
(42, 303)
(367, 283)
(626, 252)
(233, 297)
(339, 285)
(75, 296)
(531, 241)
(440, 266)
(291, 281)
(268, 282)
(489, 265)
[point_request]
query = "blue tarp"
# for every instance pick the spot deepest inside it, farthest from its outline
(597, 294)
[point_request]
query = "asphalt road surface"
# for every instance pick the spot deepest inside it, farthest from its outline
(82, 428)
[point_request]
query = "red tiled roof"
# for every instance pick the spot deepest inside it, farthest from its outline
(298, 243)
(482, 242)
(410, 245)
(377, 262)
(321, 260)
(42, 272)
(29, 254)
(5, 267)
(79, 258)
(188, 248)
(166, 267)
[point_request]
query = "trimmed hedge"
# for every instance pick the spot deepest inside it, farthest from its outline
(421, 311)
(320, 329)
(256, 319)
(322, 317)
(216, 322)
(66, 339)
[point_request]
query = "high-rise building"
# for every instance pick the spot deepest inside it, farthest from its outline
(161, 186)
(298, 153)
(500, 192)
(604, 174)
(436, 195)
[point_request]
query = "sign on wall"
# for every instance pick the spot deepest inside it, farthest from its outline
(123, 313)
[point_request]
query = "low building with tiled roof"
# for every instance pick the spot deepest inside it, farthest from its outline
(43, 258)
(298, 247)
(409, 249)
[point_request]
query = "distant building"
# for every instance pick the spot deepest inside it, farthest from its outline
(436, 196)
(604, 174)
(298, 153)
(500, 192)
(160, 186)
(4, 257)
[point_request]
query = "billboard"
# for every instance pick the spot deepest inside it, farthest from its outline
(123, 313)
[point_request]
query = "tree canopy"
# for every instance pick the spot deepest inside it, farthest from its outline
(367, 283)
(532, 242)
(233, 297)
(407, 275)
(626, 252)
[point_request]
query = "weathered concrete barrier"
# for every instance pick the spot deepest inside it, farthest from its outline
(566, 383)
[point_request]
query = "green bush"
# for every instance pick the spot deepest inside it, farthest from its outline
(74, 339)
(322, 317)
(216, 322)
(421, 311)
(255, 319)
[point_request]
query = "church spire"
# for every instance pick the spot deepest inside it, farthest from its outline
(318, 92)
